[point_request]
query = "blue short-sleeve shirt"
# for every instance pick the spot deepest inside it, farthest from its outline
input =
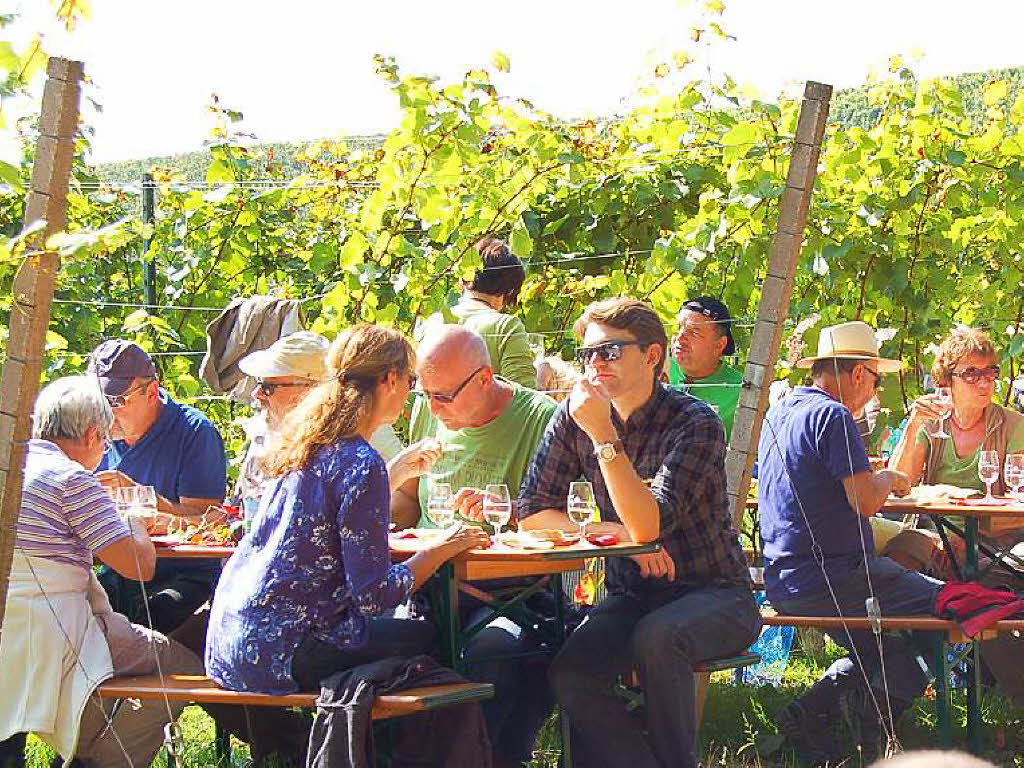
(809, 444)
(182, 454)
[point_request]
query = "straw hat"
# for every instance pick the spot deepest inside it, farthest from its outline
(301, 354)
(854, 341)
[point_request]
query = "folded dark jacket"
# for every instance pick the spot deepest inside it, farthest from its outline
(342, 736)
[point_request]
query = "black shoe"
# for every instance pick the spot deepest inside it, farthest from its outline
(861, 718)
(809, 736)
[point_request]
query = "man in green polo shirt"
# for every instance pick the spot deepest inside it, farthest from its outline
(489, 430)
(703, 338)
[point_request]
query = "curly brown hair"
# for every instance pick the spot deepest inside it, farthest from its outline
(357, 362)
(961, 343)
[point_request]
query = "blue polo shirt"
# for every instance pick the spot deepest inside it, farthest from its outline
(809, 444)
(182, 454)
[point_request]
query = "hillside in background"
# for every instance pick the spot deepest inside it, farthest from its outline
(850, 107)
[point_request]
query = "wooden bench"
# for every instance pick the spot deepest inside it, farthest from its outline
(702, 672)
(951, 629)
(199, 689)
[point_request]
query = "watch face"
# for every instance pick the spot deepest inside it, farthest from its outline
(607, 452)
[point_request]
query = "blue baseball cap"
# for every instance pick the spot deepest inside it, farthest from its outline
(119, 362)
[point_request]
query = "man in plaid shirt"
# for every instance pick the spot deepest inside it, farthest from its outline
(655, 457)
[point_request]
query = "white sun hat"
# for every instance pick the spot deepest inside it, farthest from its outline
(302, 354)
(855, 341)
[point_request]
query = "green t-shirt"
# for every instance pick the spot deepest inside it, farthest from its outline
(725, 394)
(498, 452)
(962, 471)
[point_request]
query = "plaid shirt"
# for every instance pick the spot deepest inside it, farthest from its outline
(677, 445)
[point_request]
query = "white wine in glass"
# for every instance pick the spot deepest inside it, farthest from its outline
(497, 508)
(988, 470)
(441, 505)
(945, 398)
(581, 505)
(1013, 473)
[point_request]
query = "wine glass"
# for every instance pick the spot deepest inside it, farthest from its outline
(145, 499)
(126, 498)
(497, 508)
(441, 505)
(988, 470)
(1013, 473)
(581, 505)
(944, 396)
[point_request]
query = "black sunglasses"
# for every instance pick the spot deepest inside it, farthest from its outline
(609, 351)
(440, 397)
(973, 375)
(269, 387)
(877, 378)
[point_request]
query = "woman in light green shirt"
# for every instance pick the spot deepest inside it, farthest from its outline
(495, 288)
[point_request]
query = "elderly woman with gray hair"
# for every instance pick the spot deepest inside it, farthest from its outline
(61, 638)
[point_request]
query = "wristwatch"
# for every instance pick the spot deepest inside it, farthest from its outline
(608, 451)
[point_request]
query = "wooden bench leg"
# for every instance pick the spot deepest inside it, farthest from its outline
(703, 682)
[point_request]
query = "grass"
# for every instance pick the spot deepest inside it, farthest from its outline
(734, 717)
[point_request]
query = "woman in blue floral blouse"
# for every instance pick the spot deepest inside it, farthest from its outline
(301, 597)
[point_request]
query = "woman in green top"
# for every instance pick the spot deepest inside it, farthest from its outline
(966, 363)
(495, 288)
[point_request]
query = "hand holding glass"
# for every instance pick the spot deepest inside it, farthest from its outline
(497, 508)
(581, 506)
(441, 505)
(988, 470)
(944, 396)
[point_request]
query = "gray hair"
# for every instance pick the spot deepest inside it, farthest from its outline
(69, 407)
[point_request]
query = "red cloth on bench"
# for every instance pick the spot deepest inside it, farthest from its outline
(975, 607)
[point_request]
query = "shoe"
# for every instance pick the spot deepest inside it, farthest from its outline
(809, 736)
(862, 720)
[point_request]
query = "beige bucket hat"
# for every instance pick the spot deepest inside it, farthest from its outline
(855, 341)
(302, 354)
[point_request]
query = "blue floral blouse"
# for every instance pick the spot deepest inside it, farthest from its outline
(315, 562)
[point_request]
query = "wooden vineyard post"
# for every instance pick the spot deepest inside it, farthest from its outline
(33, 293)
(775, 294)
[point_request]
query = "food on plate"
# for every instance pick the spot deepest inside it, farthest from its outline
(940, 492)
(525, 540)
(603, 539)
(556, 536)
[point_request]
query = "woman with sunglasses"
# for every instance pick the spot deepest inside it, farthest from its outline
(966, 363)
(301, 598)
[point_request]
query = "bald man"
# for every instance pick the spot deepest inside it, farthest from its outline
(490, 429)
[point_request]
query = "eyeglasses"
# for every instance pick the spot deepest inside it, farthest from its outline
(269, 387)
(877, 378)
(439, 397)
(119, 401)
(609, 352)
(973, 375)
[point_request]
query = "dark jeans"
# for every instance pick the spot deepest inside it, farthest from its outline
(899, 592)
(174, 595)
(316, 660)
(664, 638)
(522, 697)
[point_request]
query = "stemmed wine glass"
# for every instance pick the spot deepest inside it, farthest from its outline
(581, 506)
(944, 395)
(441, 505)
(497, 508)
(988, 470)
(1013, 473)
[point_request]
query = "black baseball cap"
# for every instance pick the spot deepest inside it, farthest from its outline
(715, 310)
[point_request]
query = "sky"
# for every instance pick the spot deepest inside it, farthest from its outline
(304, 69)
